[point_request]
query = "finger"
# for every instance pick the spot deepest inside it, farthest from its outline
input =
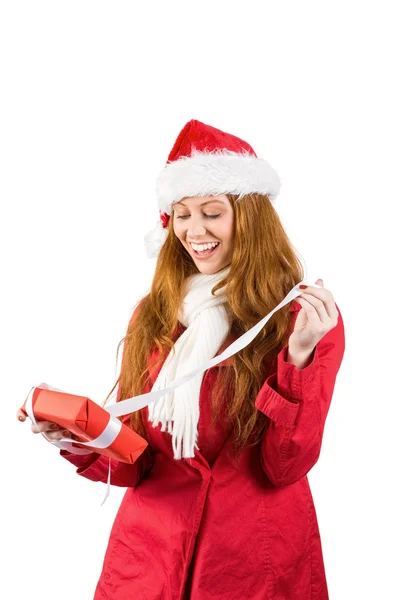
(312, 315)
(319, 307)
(326, 297)
(319, 292)
(21, 416)
(44, 426)
(56, 435)
(53, 435)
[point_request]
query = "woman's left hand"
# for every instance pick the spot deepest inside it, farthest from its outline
(318, 316)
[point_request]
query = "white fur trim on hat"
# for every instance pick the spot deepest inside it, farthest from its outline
(214, 173)
(155, 239)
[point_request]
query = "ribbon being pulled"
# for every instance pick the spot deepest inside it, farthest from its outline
(99, 428)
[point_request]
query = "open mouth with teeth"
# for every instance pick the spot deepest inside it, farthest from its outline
(205, 251)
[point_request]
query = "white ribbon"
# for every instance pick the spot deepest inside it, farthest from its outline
(135, 403)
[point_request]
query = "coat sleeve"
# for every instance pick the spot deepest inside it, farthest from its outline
(94, 466)
(297, 401)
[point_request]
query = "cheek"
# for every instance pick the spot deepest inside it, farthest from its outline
(226, 231)
(176, 228)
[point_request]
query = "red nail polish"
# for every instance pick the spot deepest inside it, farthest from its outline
(303, 287)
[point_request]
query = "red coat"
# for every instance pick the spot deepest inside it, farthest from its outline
(204, 529)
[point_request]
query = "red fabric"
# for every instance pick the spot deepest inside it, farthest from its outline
(205, 528)
(205, 138)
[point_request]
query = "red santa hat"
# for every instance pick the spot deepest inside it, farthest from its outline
(206, 161)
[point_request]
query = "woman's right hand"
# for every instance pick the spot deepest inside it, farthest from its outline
(51, 430)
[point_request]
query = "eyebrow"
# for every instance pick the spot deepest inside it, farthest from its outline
(208, 202)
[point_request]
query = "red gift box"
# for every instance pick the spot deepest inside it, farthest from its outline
(86, 420)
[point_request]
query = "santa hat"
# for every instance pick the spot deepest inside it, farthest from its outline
(206, 161)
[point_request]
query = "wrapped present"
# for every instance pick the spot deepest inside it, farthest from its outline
(87, 421)
(98, 428)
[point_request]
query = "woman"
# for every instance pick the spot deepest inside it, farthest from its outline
(219, 505)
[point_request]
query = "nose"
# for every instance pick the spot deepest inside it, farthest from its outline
(196, 229)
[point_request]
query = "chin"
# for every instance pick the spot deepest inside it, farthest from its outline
(210, 269)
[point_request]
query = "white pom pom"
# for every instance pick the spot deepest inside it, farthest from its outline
(155, 239)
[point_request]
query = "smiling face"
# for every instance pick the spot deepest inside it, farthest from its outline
(205, 220)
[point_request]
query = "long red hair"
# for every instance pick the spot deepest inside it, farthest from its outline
(264, 269)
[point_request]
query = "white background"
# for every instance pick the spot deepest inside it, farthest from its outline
(93, 95)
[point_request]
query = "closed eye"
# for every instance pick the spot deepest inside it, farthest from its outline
(208, 216)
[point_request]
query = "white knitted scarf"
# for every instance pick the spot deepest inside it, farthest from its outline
(207, 323)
